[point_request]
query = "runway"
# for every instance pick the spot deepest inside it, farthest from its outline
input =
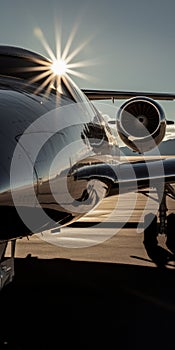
(100, 236)
(88, 292)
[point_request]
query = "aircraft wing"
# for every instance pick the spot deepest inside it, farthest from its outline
(127, 177)
(122, 95)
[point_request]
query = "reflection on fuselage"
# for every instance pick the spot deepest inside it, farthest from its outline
(52, 187)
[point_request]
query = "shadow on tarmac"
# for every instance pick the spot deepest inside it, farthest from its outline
(59, 304)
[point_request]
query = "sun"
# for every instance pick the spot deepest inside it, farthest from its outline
(59, 67)
(62, 63)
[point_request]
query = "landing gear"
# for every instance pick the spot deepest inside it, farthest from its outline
(156, 253)
(167, 223)
(6, 263)
(170, 241)
(165, 226)
(150, 231)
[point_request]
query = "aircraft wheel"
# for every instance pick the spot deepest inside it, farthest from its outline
(150, 230)
(157, 254)
(170, 241)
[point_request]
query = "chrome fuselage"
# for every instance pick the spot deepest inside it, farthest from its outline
(44, 139)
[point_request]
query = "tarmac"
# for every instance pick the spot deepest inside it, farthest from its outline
(92, 285)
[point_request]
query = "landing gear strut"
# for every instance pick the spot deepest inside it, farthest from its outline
(167, 223)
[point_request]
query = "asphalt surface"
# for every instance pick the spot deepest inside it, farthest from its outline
(92, 285)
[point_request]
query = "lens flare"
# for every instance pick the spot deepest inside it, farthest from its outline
(59, 67)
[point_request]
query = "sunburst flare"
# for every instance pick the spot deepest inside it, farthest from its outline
(59, 66)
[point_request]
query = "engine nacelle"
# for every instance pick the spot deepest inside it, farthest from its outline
(141, 123)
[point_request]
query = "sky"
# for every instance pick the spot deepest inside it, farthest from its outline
(129, 44)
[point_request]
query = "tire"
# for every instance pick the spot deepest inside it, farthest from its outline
(150, 230)
(170, 241)
(156, 253)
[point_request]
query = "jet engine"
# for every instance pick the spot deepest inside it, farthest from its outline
(141, 123)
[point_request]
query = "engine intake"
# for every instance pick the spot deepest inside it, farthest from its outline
(141, 123)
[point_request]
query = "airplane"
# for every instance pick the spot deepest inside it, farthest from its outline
(60, 156)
